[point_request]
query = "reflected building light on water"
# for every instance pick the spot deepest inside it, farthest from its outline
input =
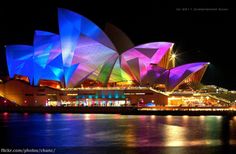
(142, 117)
(69, 116)
(87, 117)
(185, 119)
(219, 117)
(26, 116)
(5, 114)
(153, 117)
(130, 137)
(175, 136)
(215, 142)
(202, 117)
(48, 116)
(169, 118)
(117, 116)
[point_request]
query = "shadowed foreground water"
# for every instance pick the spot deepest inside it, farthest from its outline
(93, 133)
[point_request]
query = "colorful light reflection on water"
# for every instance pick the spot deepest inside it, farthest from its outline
(73, 130)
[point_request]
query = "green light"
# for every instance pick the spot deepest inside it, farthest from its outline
(118, 74)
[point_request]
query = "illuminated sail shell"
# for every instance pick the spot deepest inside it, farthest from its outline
(82, 51)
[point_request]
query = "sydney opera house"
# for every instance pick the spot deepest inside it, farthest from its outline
(84, 65)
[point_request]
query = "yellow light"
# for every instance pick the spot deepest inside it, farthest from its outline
(173, 56)
(72, 94)
(153, 117)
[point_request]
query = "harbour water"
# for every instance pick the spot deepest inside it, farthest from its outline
(94, 133)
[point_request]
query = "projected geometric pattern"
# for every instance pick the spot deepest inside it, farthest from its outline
(47, 57)
(85, 47)
(139, 59)
(20, 61)
(82, 51)
(193, 72)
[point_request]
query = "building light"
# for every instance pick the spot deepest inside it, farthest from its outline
(140, 93)
(72, 94)
(51, 94)
(173, 56)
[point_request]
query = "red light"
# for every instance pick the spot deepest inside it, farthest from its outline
(25, 114)
(5, 101)
(5, 113)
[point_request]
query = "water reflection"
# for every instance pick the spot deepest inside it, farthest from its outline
(48, 117)
(73, 130)
(153, 117)
(174, 136)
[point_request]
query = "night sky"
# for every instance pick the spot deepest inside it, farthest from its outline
(199, 35)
